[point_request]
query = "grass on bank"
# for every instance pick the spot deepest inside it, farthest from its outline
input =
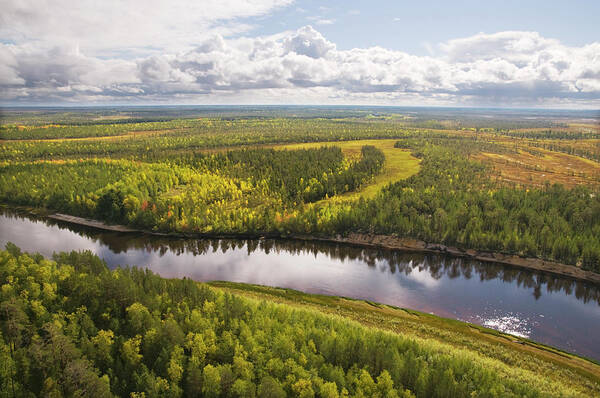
(72, 327)
(507, 354)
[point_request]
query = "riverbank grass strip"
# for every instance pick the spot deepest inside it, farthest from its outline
(502, 349)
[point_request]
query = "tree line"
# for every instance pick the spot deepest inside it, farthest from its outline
(164, 183)
(552, 134)
(238, 192)
(55, 131)
(204, 134)
(453, 201)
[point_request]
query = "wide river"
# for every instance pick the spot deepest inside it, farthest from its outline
(548, 309)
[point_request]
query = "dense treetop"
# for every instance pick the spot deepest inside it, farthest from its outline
(192, 175)
(71, 327)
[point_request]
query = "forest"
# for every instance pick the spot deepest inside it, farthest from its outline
(452, 201)
(190, 175)
(72, 327)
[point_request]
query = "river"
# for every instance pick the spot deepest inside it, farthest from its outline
(545, 308)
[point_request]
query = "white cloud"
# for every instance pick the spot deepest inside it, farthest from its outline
(302, 66)
(307, 41)
(512, 45)
(325, 21)
(111, 27)
(9, 74)
(319, 20)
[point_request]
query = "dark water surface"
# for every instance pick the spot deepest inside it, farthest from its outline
(548, 309)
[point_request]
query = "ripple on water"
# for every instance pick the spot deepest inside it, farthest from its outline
(508, 322)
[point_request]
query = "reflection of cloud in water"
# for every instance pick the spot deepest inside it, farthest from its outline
(37, 236)
(503, 298)
(424, 278)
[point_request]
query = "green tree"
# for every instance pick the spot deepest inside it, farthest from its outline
(270, 388)
(211, 381)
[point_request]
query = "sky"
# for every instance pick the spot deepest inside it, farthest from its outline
(441, 53)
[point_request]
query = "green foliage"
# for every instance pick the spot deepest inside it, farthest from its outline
(591, 152)
(110, 206)
(166, 183)
(71, 327)
(304, 175)
(549, 134)
(452, 201)
(204, 134)
(240, 191)
(54, 131)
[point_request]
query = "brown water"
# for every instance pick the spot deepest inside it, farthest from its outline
(548, 309)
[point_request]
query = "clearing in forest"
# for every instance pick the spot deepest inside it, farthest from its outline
(538, 166)
(399, 163)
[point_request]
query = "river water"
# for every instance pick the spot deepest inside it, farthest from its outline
(548, 309)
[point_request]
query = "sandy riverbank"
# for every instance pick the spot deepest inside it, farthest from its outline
(405, 244)
(377, 241)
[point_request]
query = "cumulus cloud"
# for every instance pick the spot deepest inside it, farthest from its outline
(309, 42)
(115, 27)
(513, 45)
(303, 66)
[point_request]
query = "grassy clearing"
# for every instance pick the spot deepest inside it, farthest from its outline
(399, 164)
(591, 146)
(503, 352)
(533, 169)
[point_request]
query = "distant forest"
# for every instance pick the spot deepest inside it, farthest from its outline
(227, 176)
